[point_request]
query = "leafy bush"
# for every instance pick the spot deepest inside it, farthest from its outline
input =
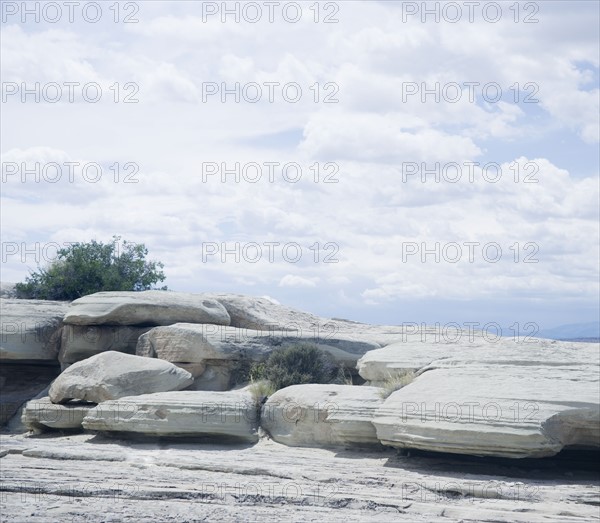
(240, 372)
(303, 363)
(85, 268)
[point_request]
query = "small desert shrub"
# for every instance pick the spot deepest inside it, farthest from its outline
(240, 371)
(344, 376)
(296, 365)
(260, 391)
(394, 383)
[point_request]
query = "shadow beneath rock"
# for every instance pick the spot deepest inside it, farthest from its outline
(358, 452)
(569, 465)
(205, 443)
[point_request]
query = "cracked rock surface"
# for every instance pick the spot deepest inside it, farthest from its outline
(87, 478)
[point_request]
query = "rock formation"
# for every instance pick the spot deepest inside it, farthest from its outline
(224, 415)
(112, 375)
(507, 398)
(322, 415)
(215, 349)
(471, 394)
(29, 345)
(145, 308)
(41, 414)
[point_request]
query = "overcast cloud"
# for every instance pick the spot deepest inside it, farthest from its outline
(338, 219)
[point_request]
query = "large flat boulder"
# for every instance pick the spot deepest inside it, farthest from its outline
(30, 330)
(507, 398)
(223, 415)
(322, 415)
(112, 375)
(402, 357)
(79, 342)
(264, 314)
(218, 348)
(186, 342)
(411, 354)
(41, 414)
(259, 313)
(145, 308)
(236, 310)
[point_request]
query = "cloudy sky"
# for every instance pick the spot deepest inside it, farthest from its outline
(356, 159)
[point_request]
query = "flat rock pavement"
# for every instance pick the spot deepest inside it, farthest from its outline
(92, 479)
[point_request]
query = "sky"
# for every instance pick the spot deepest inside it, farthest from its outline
(382, 161)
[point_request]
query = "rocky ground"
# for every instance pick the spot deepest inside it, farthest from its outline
(524, 404)
(89, 478)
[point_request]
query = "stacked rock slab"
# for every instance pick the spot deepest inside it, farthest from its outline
(214, 350)
(29, 345)
(79, 342)
(264, 314)
(111, 375)
(256, 313)
(30, 330)
(92, 321)
(41, 414)
(322, 415)
(145, 308)
(115, 320)
(222, 415)
(505, 398)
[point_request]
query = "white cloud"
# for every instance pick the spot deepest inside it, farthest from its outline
(291, 280)
(371, 212)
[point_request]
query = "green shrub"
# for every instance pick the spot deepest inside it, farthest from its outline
(298, 364)
(86, 268)
(240, 371)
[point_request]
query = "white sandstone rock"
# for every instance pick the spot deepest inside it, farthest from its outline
(111, 375)
(31, 329)
(257, 313)
(39, 414)
(219, 348)
(508, 399)
(322, 415)
(79, 342)
(232, 414)
(145, 308)
(186, 342)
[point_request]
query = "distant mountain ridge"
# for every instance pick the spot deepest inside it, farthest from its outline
(573, 332)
